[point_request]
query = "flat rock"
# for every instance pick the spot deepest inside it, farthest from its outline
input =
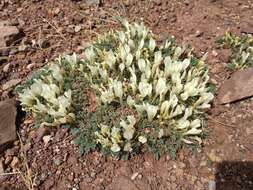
(92, 2)
(11, 83)
(8, 114)
(8, 34)
(1, 167)
(246, 27)
(238, 87)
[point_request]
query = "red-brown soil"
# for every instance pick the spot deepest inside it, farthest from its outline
(50, 24)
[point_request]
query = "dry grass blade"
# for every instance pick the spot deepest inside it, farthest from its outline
(54, 27)
(27, 176)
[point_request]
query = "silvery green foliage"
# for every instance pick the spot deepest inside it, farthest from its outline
(46, 95)
(165, 83)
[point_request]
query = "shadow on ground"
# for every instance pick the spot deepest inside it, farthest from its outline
(234, 176)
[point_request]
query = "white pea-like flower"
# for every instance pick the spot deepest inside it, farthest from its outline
(118, 89)
(145, 89)
(129, 60)
(110, 59)
(142, 65)
(161, 86)
(142, 139)
(164, 110)
(130, 101)
(193, 131)
(183, 124)
(151, 111)
(89, 53)
(128, 147)
(152, 44)
(115, 148)
(105, 129)
(56, 72)
(195, 123)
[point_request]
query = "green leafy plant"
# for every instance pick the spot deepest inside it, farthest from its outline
(48, 94)
(242, 50)
(149, 97)
(165, 84)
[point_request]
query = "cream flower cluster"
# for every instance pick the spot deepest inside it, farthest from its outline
(165, 83)
(119, 137)
(46, 95)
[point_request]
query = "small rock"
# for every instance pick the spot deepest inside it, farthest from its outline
(211, 185)
(41, 132)
(48, 183)
(8, 160)
(13, 51)
(92, 2)
(30, 66)
(203, 163)
(134, 175)
(173, 178)
(181, 165)
(19, 9)
(238, 87)
(21, 22)
(7, 123)
(8, 34)
(22, 47)
(93, 174)
(14, 162)
(57, 11)
(9, 152)
(139, 176)
(6, 68)
(173, 19)
(78, 28)
(57, 161)
(27, 147)
(249, 131)
(71, 177)
(214, 53)
(11, 83)
(46, 139)
(1, 167)
(213, 157)
(199, 33)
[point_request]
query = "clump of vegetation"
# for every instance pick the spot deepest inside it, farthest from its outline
(164, 84)
(148, 96)
(48, 93)
(242, 50)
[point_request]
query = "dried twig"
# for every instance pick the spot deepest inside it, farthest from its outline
(11, 173)
(54, 27)
(27, 177)
(221, 123)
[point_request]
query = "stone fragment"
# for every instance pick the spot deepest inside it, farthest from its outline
(8, 34)
(11, 83)
(7, 123)
(6, 68)
(92, 2)
(41, 132)
(1, 167)
(14, 162)
(238, 87)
